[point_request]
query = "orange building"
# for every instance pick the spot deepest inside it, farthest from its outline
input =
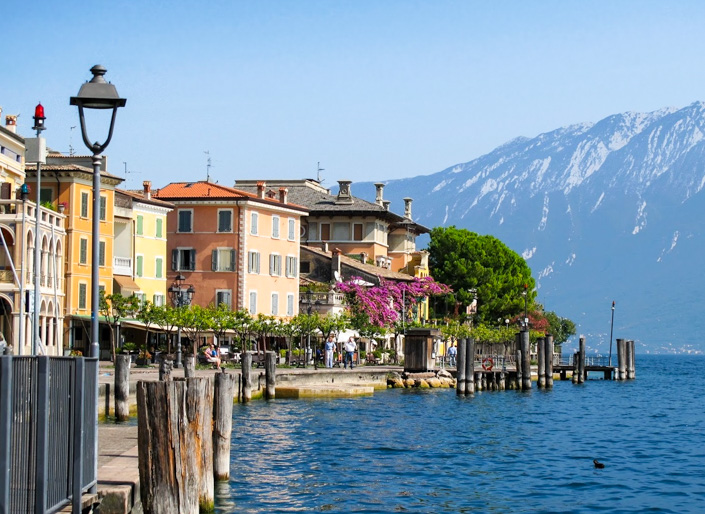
(235, 248)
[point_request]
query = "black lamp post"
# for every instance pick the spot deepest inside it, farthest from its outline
(96, 94)
(525, 294)
(611, 328)
(181, 295)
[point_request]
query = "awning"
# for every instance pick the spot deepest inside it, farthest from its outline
(125, 284)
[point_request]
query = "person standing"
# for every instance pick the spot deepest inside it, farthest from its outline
(329, 348)
(452, 354)
(350, 347)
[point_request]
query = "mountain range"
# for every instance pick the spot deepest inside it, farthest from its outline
(602, 212)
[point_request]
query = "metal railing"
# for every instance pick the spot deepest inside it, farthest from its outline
(48, 432)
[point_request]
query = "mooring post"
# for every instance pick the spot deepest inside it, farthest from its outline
(549, 361)
(633, 361)
(189, 366)
(630, 359)
(576, 366)
(270, 370)
(621, 360)
(460, 369)
(165, 366)
(526, 360)
(581, 375)
(224, 391)
(470, 366)
(541, 354)
(122, 387)
(246, 360)
(520, 374)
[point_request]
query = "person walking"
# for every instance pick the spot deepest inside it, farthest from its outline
(350, 347)
(330, 348)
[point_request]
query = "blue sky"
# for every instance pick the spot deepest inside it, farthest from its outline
(373, 90)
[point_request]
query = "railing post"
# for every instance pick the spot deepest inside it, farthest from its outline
(78, 412)
(5, 431)
(42, 410)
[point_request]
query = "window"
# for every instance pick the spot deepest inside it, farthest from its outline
(103, 208)
(275, 227)
(183, 259)
(223, 297)
(101, 253)
(357, 231)
(253, 223)
(313, 231)
(82, 295)
(223, 259)
(275, 304)
(158, 300)
(253, 302)
(275, 264)
(139, 265)
(292, 229)
(140, 225)
(291, 266)
(305, 267)
(84, 205)
(341, 231)
(46, 195)
(83, 251)
(225, 220)
(159, 227)
(325, 231)
(159, 268)
(185, 216)
(290, 304)
(253, 262)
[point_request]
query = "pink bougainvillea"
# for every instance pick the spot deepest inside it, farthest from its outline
(384, 303)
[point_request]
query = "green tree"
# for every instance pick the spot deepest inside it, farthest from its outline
(115, 307)
(560, 328)
(149, 314)
(223, 319)
(483, 265)
(195, 321)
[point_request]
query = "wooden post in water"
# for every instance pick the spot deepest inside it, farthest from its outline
(581, 375)
(633, 360)
(165, 366)
(630, 359)
(519, 370)
(541, 353)
(526, 360)
(549, 361)
(576, 366)
(621, 360)
(460, 378)
(246, 360)
(224, 392)
(189, 366)
(270, 371)
(470, 366)
(122, 387)
(175, 445)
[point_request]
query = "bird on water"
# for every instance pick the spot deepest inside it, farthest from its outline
(598, 465)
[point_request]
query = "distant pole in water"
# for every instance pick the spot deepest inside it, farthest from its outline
(611, 327)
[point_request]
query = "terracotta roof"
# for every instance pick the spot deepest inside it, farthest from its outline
(210, 191)
(370, 269)
(70, 167)
(139, 196)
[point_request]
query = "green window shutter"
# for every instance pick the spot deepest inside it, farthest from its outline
(214, 260)
(140, 225)
(83, 251)
(103, 208)
(159, 265)
(232, 260)
(174, 260)
(101, 253)
(159, 227)
(84, 205)
(140, 265)
(82, 293)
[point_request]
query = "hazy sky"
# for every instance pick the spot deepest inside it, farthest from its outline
(373, 90)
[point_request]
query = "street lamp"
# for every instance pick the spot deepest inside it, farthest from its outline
(180, 297)
(526, 314)
(96, 94)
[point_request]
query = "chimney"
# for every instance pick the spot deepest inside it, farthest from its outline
(261, 185)
(363, 257)
(324, 247)
(385, 204)
(283, 195)
(407, 207)
(344, 195)
(335, 264)
(380, 188)
(11, 123)
(147, 185)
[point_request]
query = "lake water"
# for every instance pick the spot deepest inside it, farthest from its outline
(432, 451)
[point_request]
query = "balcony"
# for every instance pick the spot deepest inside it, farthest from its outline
(122, 266)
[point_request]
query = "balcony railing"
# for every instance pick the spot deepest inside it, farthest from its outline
(122, 265)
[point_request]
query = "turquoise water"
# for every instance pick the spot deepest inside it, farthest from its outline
(431, 451)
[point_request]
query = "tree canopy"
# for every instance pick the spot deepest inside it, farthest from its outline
(482, 265)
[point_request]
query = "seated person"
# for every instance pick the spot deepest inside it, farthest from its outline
(212, 356)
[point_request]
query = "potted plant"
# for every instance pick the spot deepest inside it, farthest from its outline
(144, 357)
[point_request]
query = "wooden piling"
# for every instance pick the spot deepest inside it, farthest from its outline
(583, 373)
(541, 353)
(502, 385)
(246, 360)
(122, 387)
(621, 360)
(526, 360)
(107, 400)
(460, 377)
(576, 367)
(470, 366)
(520, 373)
(224, 391)
(549, 361)
(175, 445)
(633, 360)
(270, 371)
(165, 366)
(189, 366)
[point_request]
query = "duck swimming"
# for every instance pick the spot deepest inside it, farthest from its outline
(598, 465)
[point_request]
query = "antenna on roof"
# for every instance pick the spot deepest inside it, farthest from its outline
(208, 165)
(127, 172)
(71, 151)
(318, 171)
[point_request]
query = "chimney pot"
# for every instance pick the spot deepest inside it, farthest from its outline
(147, 185)
(344, 195)
(407, 207)
(261, 185)
(380, 188)
(283, 195)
